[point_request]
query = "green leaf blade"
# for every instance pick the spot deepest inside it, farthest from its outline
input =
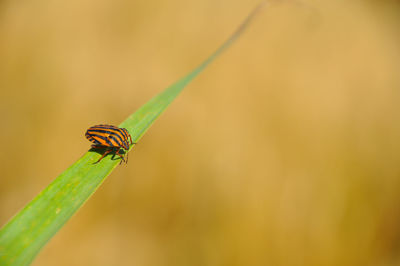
(29, 230)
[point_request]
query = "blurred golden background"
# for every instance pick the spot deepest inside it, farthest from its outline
(285, 151)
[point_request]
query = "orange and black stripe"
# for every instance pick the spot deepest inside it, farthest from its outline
(111, 137)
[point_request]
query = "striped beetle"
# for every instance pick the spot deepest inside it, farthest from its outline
(110, 137)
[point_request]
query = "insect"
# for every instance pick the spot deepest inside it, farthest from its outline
(112, 138)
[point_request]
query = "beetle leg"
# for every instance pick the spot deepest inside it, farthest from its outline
(121, 156)
(130, 138)
(105, 153)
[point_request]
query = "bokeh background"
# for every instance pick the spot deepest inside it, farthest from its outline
(285, 151)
